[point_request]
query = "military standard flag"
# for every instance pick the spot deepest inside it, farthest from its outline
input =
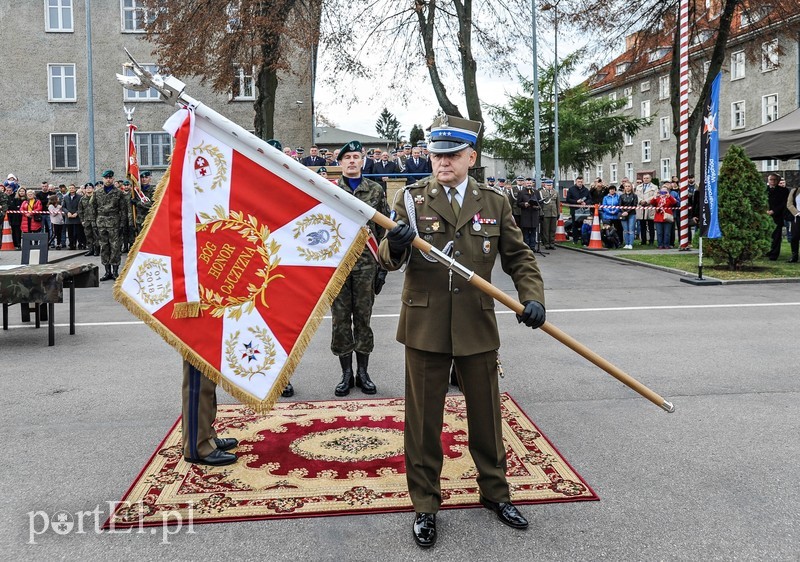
(240, 258)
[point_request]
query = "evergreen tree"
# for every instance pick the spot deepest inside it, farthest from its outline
(743, 219)
(417, 134)
(387, 126)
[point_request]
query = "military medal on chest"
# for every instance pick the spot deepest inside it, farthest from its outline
(476, 223)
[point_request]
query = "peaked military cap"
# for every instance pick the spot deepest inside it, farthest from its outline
(407, 146)
(352, 146)
(490, 178)
(145, 174)
(275, 144)
(300, 150)
(501, 180)
(452, 134)
(108, 174)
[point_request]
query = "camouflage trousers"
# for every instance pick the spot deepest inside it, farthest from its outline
(110, 242)
(352, 311)
(90, 231)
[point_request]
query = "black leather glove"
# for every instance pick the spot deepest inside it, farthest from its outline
(380, 280)
(400, 238)
(533, 316)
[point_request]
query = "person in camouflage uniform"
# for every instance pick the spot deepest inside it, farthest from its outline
(111, 208)
(143, 207)
(88, 220)
(352, 309)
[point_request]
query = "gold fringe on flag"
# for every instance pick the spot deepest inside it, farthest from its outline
(186, 310)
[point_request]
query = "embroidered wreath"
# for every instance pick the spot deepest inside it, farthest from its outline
(219, 162)
(322, 220)
(251, 231)
(262, 367)
(141, 271)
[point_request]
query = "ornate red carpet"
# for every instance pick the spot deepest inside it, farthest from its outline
(338, 457)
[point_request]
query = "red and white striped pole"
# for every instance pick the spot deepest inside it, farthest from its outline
(683, 149)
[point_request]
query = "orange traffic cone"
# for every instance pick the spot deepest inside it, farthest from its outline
(596, 241)
(8, 240)
(561, 233)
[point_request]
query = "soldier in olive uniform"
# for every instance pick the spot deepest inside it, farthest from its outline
(446, 319)
(87, 216)
(352, 308)
(110, 206)
(143, 207)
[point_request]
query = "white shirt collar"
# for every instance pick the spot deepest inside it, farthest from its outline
(461, 190)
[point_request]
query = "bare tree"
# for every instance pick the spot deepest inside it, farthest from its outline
(220, 40)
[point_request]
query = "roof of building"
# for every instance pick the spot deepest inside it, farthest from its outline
(335, 136)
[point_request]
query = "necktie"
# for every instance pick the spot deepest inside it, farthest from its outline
(454, 202)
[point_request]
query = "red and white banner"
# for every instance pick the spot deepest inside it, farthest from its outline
(241, 256)
(132, 159)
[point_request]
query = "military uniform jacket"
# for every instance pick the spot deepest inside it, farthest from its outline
(548, 197)
(442, 318)
(141, 207)
(110, 209)
(373, 195)
(86, 209)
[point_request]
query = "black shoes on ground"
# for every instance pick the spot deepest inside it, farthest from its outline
(424, 529)
(507, 513)
(108, 276)
(288, 391)
(217, 458)
(226, 443)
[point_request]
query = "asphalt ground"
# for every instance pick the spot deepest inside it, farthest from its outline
(716, 480)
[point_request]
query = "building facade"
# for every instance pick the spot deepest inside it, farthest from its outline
(760, 83)
(45, 104)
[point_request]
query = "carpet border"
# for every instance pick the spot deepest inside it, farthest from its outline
(356, 512)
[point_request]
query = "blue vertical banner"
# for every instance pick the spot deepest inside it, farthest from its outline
(709, 227)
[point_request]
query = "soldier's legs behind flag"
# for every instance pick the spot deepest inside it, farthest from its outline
(363, 299)
(342, 341)
(199, 410)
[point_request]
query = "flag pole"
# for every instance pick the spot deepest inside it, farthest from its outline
(172, 89)
(683, 174)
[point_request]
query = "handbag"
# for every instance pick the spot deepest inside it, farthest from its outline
(668, 217)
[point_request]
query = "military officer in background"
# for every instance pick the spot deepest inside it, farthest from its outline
(87, 217)
(352, 308)
(110, 206)
(548, 197)
(199, 404)
(141, 206)
(445, 319)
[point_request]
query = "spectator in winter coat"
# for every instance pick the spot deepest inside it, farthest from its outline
(611, 210)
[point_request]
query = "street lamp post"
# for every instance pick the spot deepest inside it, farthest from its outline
(556, 174)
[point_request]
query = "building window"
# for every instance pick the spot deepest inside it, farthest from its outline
(61, 82)
(243, 85)
(153, 149)
(769, 108)
(612, 96)
(623, 67)
(628, 93)
(135, 17)
(147, 95)
(63, 151)
(666, 168)
(646, 151)
(613, 175)
(737, 65)
(628, 139)
(644, 86)
(664, 128)
(663, 87)
(599, 171)
(629, 171)
(737, 115)
(646, 108)
(769, 55)
(58, 16)
(769, 165)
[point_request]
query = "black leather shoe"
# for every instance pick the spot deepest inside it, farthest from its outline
(506, 513)
(288, 391)
(362, 376)
(89, 253)
(226, 443)
(217, 458)
(108, 275)
(424, 529)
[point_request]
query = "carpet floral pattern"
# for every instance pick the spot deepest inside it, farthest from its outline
(338, 457)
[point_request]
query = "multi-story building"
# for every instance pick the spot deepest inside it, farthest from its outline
(46, 103)
(760, 83)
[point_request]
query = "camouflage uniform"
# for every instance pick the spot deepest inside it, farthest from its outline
(89, 222)
(143, 208)
(352, 308)
(111, 212)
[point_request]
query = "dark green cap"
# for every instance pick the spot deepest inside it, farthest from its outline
(352, 146)
(275, 143)
(108, 174)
